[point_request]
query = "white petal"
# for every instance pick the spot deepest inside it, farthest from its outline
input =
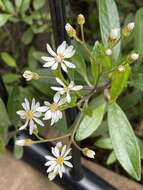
(68, 98)
(76, 88)
(60, 172)
(21, 112)
(50, 50)
(37, 114)
(49, 64)
(51, 158)
(56, 98)
(68, 158)
(38, 121)
(55, 151)
(56, 169)
(60, 81)
(48, 115)
(69, 52)
(55, 66)
(57, 88)
(27, 104)
(51, 176)
(69, 64)
(48, 59)
(24, 126)
(63, 150)
(61, 47)
(51, 168)
(68, 164)
(42, 109)
(71, 85)
(49, 163)
(64, 67)
(33, 104)
(47, 103)
(67, 152)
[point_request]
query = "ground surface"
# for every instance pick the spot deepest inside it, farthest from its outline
(18, 175)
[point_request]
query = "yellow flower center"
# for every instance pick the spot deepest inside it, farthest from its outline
(54, 107)
(60, 58)
(29, 115)
(66, 89)
(60, 160)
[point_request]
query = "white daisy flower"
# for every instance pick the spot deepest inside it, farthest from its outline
(30, 114)
(29, 75)
(65, 90)
(63, 52)
(56, 164)
(52, 110)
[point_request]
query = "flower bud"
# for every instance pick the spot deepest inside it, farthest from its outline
(108, 52)
(70, 30)
(24, 142)
(121, 68)
(134, 56)
(115, 34)
(130, 26)
(88, 152)
(28, 75)
(59, 145)
(80, 19)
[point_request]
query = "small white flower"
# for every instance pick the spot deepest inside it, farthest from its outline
(56, 164)
(134, 56)
(88, 152)
(20, 142)
(52, 111)
(108, 52)
(65, 90)
(30, 114)
(63, 52)
(28, 75)
(130, 26)
(121, 68)
(115, 34)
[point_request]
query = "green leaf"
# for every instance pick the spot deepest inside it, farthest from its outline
(140, 142)
(78, 60)
(25, 6)
(111, 158)
(119, 81)
(4, 18)
(2, 7)
(38, 4)
(108, 19)
(9, 6)
(104, 142)
(124, 141)
(27, 36)
(10, 78)
(8, 59)
(18, 4)
(18, 151)
(89, 124)
(138, 37)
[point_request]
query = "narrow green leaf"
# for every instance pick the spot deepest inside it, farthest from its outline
(27, 36)
(25, 6)
(90, 123)
(8, 59)
(4, 18)
(119, 81)
(111, 158)
(138, 37)
(9, 6)
(18, 151)
(18, 4)
(104, 142)
(10, 78)
(2, 6)
(124, 141)
(38, 4)
(108, 19)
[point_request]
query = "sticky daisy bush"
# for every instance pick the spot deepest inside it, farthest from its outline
(91, 79)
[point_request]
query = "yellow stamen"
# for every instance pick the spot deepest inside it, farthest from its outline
(29, 115)
(66, 89)
(60, 58)
(60, 160)
(54, 107)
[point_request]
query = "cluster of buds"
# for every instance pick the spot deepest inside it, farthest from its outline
(29, 75)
